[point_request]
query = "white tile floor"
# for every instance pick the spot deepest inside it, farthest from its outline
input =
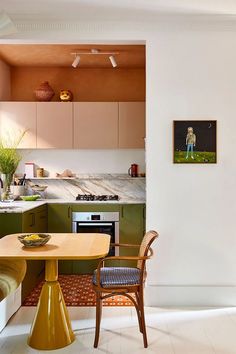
(170, 331)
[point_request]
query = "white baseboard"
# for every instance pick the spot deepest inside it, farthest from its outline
(167, 295)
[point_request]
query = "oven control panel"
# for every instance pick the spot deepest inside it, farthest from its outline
(95, 216)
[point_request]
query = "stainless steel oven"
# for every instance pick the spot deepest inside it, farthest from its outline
(98, 222)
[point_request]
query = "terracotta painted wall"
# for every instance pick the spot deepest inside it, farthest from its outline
(86, 84)
(5, 81)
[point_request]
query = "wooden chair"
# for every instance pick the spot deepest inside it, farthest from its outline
(110, 281)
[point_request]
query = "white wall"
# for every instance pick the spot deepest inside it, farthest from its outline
(5, 81)
(84, 161)
(191, 74)
(192, 206)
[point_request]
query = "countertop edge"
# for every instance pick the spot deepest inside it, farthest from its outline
(19, 207)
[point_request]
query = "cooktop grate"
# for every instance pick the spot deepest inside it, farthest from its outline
(92, 197)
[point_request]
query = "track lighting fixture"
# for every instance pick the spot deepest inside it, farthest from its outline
(113, 61)
(76, 61)
(93, 51)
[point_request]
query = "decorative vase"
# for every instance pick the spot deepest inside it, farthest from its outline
(44, 92)
(6, 195)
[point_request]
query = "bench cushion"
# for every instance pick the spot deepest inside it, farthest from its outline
(12, 273)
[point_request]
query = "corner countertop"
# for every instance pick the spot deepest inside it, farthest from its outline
(23, 206)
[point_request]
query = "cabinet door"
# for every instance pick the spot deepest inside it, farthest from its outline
(16, 118)
(10, 223)
(132, 225)
(29, 222)
(96, 125)
(59, 218)
(131, 125)
(54, 125)
(41, 221)
(35, 220)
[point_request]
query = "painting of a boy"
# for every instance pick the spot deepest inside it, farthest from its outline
(190, 142)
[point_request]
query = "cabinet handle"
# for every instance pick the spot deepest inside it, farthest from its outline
(68, 212)
(32, 219)
(122, 211)
(144, 213)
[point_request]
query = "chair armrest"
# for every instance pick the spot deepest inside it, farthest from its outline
(129, 258)
(124, 245)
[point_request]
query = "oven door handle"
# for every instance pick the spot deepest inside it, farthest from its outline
(95, 224)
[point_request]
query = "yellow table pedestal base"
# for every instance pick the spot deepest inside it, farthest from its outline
(51, 328)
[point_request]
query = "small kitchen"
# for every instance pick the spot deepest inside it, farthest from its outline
(88, 152)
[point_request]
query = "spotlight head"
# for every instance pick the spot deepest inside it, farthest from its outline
(76, 61)
(113, 61)
(94, 51)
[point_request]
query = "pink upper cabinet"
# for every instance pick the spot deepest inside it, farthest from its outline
(54, 125)
(16, 118)
(131, 125)
(96, 125)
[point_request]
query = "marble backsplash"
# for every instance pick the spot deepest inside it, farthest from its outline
(127, 188)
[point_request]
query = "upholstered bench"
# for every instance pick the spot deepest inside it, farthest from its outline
(11, 275)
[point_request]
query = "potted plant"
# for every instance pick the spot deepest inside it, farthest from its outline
(9, 160)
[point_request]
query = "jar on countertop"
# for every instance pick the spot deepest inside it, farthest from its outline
(40, 172)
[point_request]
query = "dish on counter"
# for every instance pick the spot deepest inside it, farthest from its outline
(30, 198)
(34, 240)
(39, 188)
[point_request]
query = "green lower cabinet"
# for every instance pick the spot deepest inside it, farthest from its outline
(10, 223)
(132, 223)
(34, 221)
(132, 228)
(59, 220)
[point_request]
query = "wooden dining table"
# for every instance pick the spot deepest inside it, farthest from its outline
(51, 327)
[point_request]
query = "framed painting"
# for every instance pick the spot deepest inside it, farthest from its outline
(194, 141)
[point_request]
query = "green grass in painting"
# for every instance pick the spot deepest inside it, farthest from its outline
(199, 157)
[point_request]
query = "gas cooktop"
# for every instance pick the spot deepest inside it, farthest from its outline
(100, 198)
